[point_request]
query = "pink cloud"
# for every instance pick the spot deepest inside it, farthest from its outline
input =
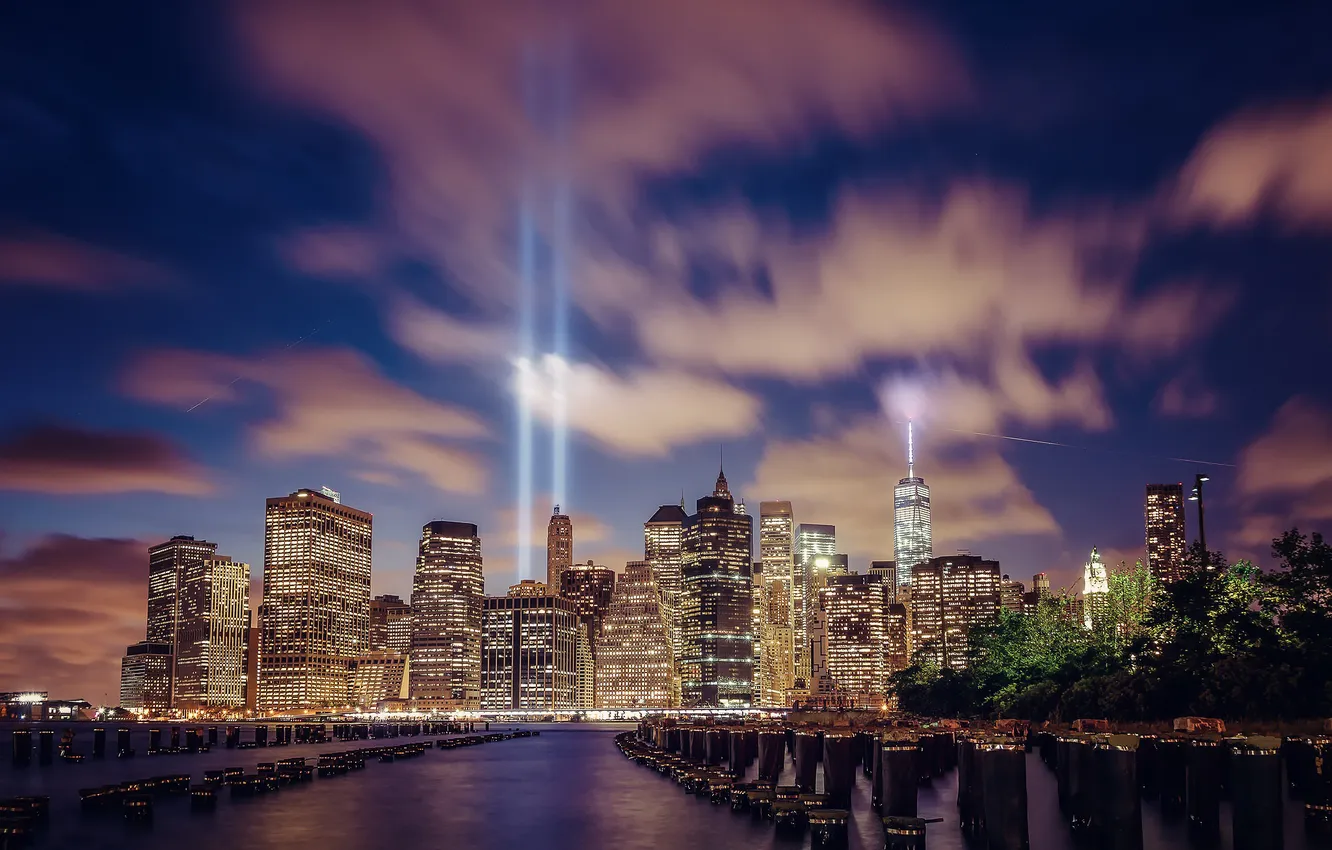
(70, 607)
(51, 261)
(63, 459)
(1285, 475)
(329, 403)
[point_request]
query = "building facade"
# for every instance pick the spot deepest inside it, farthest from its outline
(950, 596)
(663, 536)
(559, 547)
(166, 561)
(887, 569)
(145, 677)
(856, 610)
(913, 538)
(1095, 592)
(590, 588)
(1011, 593)
(1166, 538)
(380, 675)
(776, 637)
(529, 653)
(635, 661)
(390, 624)
(448, 597)
(315, 618)
(815, 545)
(211, 631)
(717, 670)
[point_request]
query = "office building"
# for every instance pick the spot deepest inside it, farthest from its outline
(145, 677)
(635, 663)
(716, 614)
(252, 633)
(662, 538)
(166, 561)
(585, 664)
(887, 569)
(390, 625)
(950, 596)
(315, 618)
(815, 546)
(380, 675)
(913, 540)
(897, 636)
(589, 587)
(559, 547)
(776, 662)
(448, 596)
(820, 682)
(1095, 592)
(529, 652)
(856, 611)
(1040, 584)
(1166, 540)
(211, 626)
(529, 587)
(1011, 592)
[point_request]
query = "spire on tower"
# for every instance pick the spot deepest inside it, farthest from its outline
(911, 452)
(557, 510)
(722, 488)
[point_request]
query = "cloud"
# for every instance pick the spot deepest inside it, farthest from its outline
(51, 261)
(1185, 396)
(1268, 161)
(1285, 475)
(846, 477)
(969, 277)
(439, 336)
(70, 460)
(588, 529)
(70, 607)
(643, 413)
(329, 403)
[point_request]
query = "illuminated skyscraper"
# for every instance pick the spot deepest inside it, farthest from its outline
(529, 652)
(166, 561)
(210, 635)
(1166, 540)
(1040, 584)
(897, 637)
(315, 619)
(662, 538)
(390, 624)
(145, 677)
(913, 541)
(717, 611)
(948, 597)
(887, 569)
(589, 587)
(559, 548)
(777, 658)
(1011, 592)
(635, 663)
(448, 594)
(815, 546)
(855, 607)
(1095, 591)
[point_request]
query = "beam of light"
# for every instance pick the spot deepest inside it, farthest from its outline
(1086, 448)
(526, 378)
(560, 253)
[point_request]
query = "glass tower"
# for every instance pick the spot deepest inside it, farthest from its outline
(913, 542)
(448, 593)
(1166, 540)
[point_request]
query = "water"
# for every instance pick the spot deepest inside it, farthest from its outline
(568, 789)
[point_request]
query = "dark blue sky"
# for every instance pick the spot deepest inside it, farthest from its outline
(790, 225)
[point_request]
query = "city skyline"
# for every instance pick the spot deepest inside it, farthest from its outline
(243, 250)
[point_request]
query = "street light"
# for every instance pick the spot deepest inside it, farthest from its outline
(1197, 496)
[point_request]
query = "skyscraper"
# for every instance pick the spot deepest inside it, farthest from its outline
(165, 563)
(855, 607)
(948, 597)
(716, 612)
(1011, 592)
(1040, 584)
(559, 548)
(589, 587)
(1166, 540)
(777, 657)
(777, 540)
(448, 593)
(210, 635)
(662, 538)
(390, 624)
(145, 677)
(1095, 591)
(887, 569)
(812, 543)
(529, 652)
(635, 663)
(315, 619)
(913, 541)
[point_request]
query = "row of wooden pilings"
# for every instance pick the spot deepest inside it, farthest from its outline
(191, 739)
(1102, 781)
(21, 818)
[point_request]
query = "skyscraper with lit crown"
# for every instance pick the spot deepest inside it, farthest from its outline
(559, 548)
(315, 618)
(663, 536)
(716, 616)
(773, 588)
(1095, 591)
(448, 595)
(913, 541)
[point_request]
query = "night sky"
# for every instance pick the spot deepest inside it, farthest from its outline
(250, 247)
